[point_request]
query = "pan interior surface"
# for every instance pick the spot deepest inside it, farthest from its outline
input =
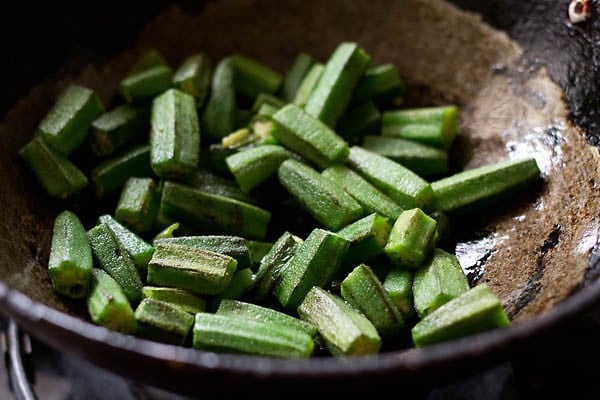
(533, 251)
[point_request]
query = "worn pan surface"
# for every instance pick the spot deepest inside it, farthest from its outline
(516, 98)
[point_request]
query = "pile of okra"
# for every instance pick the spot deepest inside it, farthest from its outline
(191, 255)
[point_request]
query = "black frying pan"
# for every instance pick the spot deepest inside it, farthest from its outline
(537, 253)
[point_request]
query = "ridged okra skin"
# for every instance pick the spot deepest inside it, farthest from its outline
(70, 262)
(66, 126)
(193, 77)
(232, 246)
(107, 304)
(344, 329)
(219, 114)
(438, 281)
(138, 204)
(255, 165)
(398, 283)
(327, 202)
(300, 67)
(163, 322)
(411, 238)
(146, 83)
(207, 181)
(315, 263)
(381, 84)
(117, 128)
(475, 311)
(333, 91)
(183, 299)
(253, 77)
(367, 236)
(241, 283)
(308, 84)
(174, 135)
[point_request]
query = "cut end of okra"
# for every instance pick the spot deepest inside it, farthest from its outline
(117, 128)
(185, 300)
(411, 238)
(138, 204)
(367, 236)
(254, 166)
(107, 304)
(193, 77)
(162, 322)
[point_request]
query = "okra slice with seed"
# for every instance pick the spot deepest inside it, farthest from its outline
(327, 202)
(146, 84)
(138, 204)
(58, 176)
(111, 174)
(207, 181)
(219, 114)
(242, 282)
(367, 236)
(475, 311)
(381, 84)
(274, 263)
(67, 124)
(438, 281)
(253, 77)
(402, 185)
(333, 91)
(188, 268)
(264, 314)
(300, 67)
(398, 283)
(363, 290)
(185, 300)
(107, 304)
(266, 98)
(411, 238)
(314, 263)
(137, 248)
(193, 77)
(234, 334)
(345, 330)
(435, 126)
(420, 158)
(115, 260)
(359, 121)
(368, 196)
(163, 322)
(174, 135)
(232, 246)
(117, 128)
(483, 186)
(309, 137)
(70, 262)
(308, 84)
(213, 213)
(254, 166)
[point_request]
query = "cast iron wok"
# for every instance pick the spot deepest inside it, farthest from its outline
(533, 97)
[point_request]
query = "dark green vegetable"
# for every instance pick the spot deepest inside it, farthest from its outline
(205, 180)
(163, 322)
(117, 128)
(411, 238)
(187, 301)
(138, 204)
(258, 250)
(359, 121)
(167, 232)
(253, 77)
(70, 262)
(241, 283)
(442, 231)
(254, 166)
(150, 58)
(381, 84)
(146, 84)
(301, 66)
(398, 283)
(107, 304)
(308, 84)
(367, 236)
(219, 115)
(193, 77)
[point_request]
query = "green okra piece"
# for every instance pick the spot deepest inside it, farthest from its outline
(150, 58)
(333, 91)
(254, 166)
(474, 311)
(219, 114)
(264, 314)
(435, 126)
(309, 137)
(483, 186)
(232, 246)
(345, 330)
(359, 121)
(253, 77)
(107, 304)
(442, 231)
(327, 202)
(364, 291)
(137, 248)
(218, 153)
(258, 249)
(59, 176)
(381, 84)
(70, 262)
(213, 213)
(166, 233)
(267, 110)
(242, 282)
(111, 174)
(368, 196)
(437, 282)
(117, 128)
(402, 185)
(185, 300)
(314, 263)
(308, 84)
(67, 124)
(411, 238)
(138, 204)
(163, 322)
(420, 158)
(235, 334)
(274, 263)
(266, 98)
(367, 236)
(116, 261)
(146, 84)
(174, 135)
(207, 181)
(302, 64)
(189, 268)
(398, 283)
(193, 77)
